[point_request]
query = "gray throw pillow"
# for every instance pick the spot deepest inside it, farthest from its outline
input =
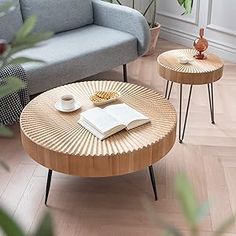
(58, 15)
(10, 22)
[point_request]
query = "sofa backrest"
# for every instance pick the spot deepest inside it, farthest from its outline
(10, 22)
(58, 15)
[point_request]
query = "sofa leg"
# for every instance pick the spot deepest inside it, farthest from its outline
(125, 73)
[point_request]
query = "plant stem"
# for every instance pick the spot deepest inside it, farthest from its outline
(154, 14)
(119, 2)
(149, 5)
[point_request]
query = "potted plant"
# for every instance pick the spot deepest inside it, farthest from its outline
(154, 25)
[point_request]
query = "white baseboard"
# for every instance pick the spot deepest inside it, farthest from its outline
(225, 52)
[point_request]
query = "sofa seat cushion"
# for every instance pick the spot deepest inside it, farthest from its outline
(58, 15)
(77, 54)
(11, 22)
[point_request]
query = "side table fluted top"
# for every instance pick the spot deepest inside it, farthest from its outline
(44, 126)
(196, 72)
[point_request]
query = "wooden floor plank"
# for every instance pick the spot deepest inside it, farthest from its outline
(16, 186)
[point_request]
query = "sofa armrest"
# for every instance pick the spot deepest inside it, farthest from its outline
(124, 19)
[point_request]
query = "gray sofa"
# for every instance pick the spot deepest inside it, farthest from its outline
(91, 36)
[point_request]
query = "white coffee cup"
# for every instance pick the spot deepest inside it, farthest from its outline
(67, 102)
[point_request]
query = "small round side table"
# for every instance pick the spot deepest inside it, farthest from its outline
(197, 72)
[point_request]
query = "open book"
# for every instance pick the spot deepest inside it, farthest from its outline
(107, 121)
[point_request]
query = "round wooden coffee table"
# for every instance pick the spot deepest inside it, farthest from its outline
(56, 141)
(197, 72)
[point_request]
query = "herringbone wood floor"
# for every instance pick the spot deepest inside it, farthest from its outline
(124, 205)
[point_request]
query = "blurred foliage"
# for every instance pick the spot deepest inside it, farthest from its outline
(11, 228)
(193, 211)
(25, 38)
(11, 85)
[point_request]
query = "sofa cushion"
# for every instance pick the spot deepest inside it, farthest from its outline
(10, 22)
(58, 15)
(77, 54)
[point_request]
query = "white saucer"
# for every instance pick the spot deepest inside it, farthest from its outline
(59, 107)
(185, 60)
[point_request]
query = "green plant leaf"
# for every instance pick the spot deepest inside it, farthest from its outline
(187, 201)
(45, 228)
(225, 226)
(23, 60)
(181, 2)
(12, 84)
(172, 231)
(5, 7)
(31, 40)
(5, 132)
(18, 48)
(9, 226)
(26, 29)
(4, 166)
(38, 37)
(187, 4)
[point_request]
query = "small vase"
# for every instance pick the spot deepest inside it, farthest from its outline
(201, 45)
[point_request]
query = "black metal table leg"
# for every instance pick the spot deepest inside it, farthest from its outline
(181, 133)
(125, 73)
(168, 91)
(167, 86)
(48, 185)
(211, 101)
(152, 176)
(171, 85)
(180, 111)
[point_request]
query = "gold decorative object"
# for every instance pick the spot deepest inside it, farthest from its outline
(58, 142)
(201, 45)
(104, 97)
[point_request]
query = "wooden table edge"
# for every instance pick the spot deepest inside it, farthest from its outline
(100, 166)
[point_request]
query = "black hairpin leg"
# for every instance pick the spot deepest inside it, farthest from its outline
(152, 176)
(181, 133)
(48, 185)
(171, 85)
(168, 90)
(211, 101)
(167, 87)
(125, 73)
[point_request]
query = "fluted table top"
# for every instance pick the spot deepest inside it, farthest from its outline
(196, 72)
(57, 141)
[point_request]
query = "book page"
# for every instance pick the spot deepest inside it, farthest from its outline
(126, 115)
(100, 120)
(91, 129)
